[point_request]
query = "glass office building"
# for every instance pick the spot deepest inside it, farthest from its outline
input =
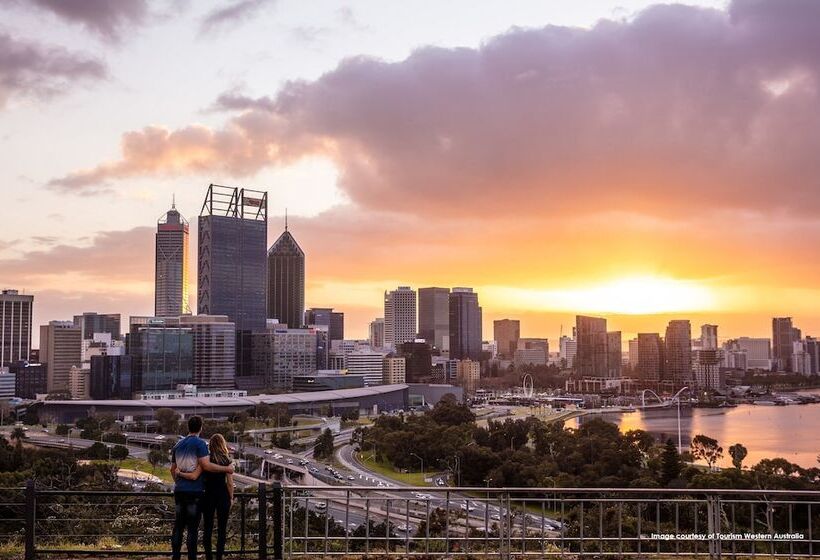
(163, 353)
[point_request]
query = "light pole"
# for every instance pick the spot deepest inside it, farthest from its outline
(680, 445)
(422, 464)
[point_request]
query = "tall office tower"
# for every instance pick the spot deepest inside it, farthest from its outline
(326, 317)
(286, 281)
(60, 349)
(506, 333)
(233, 233)
(614, 354)
(111, 377)
(678, 353)
(30, 379)
(650, 357)
(633, 353)
(163, 354)
(567, 349)
(393, 371)
(15, 327)
(214, 350)
(280, 354)
(377, 333)
(465, 324)
(783, 337)
(171, 269)
(418, 361)
(91, 323)
(434, 317)
(399, 316)
(591, 351)
(708, 337)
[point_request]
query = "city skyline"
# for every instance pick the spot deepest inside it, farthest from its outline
(635, 236)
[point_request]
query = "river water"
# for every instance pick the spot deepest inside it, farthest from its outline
(791, 432)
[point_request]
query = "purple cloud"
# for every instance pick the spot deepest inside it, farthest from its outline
(110, 20)
(231, 14)
(30, 69)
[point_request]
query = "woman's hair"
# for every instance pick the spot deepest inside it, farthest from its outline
(219, 450)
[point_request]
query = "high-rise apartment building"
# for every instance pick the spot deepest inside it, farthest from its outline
(784, 335)
(171, 295)
(377, 333)
(465, 324)
(16, 312)
(326, 317)
(633, 353)
(368, 363)
(214, 350)
(567, 350)
(532, 351)
(434, 317)
(286, 281)
(468, 374)
(506, 333)
(91, 323)
(280, 354)
(233, 226)
(591, 354)
(399, 316)
(650, 357)
(706, 369)
(709, 337)
(60, 349)
(393, 371)
(678, 353)
(614, 354)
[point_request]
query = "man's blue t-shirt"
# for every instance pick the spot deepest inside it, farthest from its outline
(186, 455)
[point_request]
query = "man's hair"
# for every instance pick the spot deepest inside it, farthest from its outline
(195, 424)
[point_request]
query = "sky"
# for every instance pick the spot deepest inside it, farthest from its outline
(634, 160)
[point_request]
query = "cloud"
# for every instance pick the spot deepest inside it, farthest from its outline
(674, 111)
(231, 14)
(29, 69)
(236, 101)
(107, 19)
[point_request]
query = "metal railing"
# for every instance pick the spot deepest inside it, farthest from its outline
(295, 522)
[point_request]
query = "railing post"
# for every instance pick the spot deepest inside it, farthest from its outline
(278, 522)
(263, 521)
(714, 525)
(31, 506)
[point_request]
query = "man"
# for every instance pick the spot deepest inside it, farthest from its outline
(186, 455)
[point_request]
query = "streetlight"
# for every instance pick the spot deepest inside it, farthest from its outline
(422, 464)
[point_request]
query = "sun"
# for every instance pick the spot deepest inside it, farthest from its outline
(632, 295)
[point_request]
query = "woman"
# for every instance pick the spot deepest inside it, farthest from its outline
(218, 497)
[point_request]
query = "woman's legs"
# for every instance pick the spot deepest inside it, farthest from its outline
(209, 505)
(223, 510)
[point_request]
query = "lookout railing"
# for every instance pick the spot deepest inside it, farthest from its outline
(293, 522)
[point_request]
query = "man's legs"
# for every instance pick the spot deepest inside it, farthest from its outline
(193, 514)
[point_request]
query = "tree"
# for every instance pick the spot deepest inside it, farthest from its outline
(323, 448)
(706, 448)
(670, 463)
(738, 452)
(18, 434)
(119, 452)
(167, 420)
(283, 440)
(62, 430)
(449, 412)
(156, 458)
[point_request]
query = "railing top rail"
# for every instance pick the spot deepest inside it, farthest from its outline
(558, 490)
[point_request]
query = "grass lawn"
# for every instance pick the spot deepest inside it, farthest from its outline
(142, 465)
(386, 469)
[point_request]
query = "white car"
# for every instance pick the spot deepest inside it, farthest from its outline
(268, 452)
(290, 461)
(277, 455)
(159, 437)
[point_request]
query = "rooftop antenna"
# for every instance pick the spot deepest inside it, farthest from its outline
(286, 219)
(173, 201)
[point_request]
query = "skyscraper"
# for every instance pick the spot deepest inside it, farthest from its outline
(60, 349)
(708, 337)
(399, 316)
(15, 326)
(650, 357)
(434, 316)
(591, 351)
(506, 333)
(377, 332)
(214, 350)
(678, 353)
(326, 317)
(783, 337)
(171, 269)
(163, 354)
(286, 281)
(233, 227)
(465, 324)
(91, 323)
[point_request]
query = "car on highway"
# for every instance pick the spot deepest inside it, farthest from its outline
(268, 451)
(289, 461)
(314, 470)
(160, 437)
(277, 455)
(351, 477)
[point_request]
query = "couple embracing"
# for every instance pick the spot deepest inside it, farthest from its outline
(203, 488)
